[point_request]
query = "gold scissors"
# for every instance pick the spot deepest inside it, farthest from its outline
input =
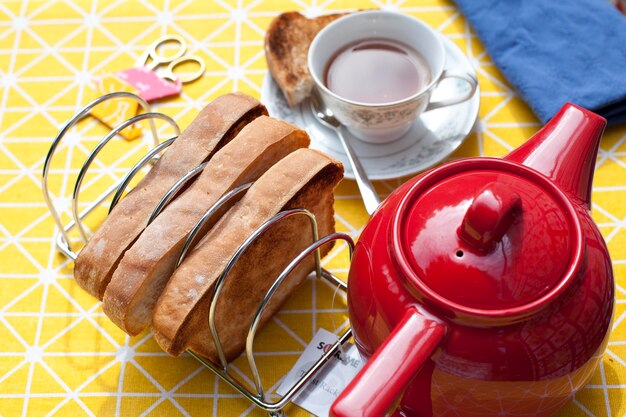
(152, 59)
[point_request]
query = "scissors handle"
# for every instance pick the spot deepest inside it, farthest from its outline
(185, 78)
(152, 53)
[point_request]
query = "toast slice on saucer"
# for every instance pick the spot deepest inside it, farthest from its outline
(216, 125)
(304, 179)
(287, 44)
(146, 267)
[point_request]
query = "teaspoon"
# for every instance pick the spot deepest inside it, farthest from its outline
(326, 116)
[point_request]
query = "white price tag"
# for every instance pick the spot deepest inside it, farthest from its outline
(322, 390)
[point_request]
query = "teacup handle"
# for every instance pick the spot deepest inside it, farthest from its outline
(468, 78)
(391, 368)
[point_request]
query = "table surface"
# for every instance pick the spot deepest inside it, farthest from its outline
(59, 354)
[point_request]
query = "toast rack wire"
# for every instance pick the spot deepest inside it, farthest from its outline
(257, 394)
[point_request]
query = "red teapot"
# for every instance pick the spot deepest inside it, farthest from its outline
(483, 287)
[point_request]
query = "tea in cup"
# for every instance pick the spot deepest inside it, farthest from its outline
(376, 71)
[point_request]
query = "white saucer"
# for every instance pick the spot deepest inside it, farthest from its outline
(434, 135)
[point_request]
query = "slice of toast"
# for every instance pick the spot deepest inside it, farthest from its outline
(303, 179)
(287, 42)
(146, 267)
(216, 125)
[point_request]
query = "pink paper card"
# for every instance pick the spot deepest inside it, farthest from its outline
(150, 86)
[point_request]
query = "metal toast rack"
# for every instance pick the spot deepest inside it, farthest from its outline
(256, 394)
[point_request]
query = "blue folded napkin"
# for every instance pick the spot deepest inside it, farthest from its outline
(555, 51)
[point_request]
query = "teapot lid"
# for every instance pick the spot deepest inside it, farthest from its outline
(487, 237)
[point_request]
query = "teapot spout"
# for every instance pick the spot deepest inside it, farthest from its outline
(565, 150)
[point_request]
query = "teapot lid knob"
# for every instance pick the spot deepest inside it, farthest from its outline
(489, 216)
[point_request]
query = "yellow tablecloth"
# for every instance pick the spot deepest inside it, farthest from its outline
(58, 352)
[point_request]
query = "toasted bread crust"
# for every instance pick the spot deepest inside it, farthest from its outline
(215, 126)
(282, 243)
(146, 267)
(306, 179)
(287, 42)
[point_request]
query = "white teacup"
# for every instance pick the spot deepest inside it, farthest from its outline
(376, 122)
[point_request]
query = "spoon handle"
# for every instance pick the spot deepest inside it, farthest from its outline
(368, 193)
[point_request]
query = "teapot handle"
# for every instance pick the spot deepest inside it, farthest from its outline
(391, 368)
